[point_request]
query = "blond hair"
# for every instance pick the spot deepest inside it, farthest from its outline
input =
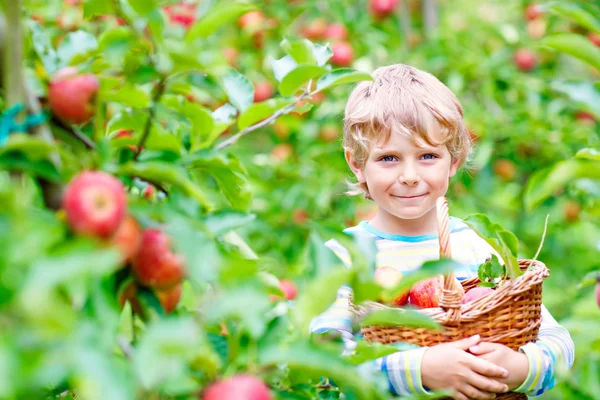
(408, 101)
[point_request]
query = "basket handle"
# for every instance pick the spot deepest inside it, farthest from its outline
(451, 295)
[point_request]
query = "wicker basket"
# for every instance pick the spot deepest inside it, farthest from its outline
(510, 316)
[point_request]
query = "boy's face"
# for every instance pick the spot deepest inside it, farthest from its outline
(405, 179)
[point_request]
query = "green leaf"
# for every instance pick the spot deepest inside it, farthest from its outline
(219, 15)
(366, 351)
(116, 43)
(127, 95)
(203, 259)
(501, 240)
(143, 7)
(162, 172)
(200, 118)
(582, 92)
(321, 360)
(575, 45)
(321, 53)
(229, 173)
(590, 279)
(301, 50)
(546, 182)
(33, 147)
(580, 15)
(239, 89)
(74, 44)
(399, 317)
(318, 295)
(165, 349)
(321, 260)
(290, 84)
(252, 316)
(588, 154)
(224, 221)
(43, 47)
(283, 66)
(341, 77)
(259, 111)
(93, 8)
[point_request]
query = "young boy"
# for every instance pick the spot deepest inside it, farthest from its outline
(404, 138)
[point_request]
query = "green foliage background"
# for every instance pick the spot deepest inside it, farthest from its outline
(260, 209)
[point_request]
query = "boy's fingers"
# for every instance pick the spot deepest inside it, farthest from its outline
(464, 344)
(487, 368)
(486, 384)
(473, 393)
(482, 348)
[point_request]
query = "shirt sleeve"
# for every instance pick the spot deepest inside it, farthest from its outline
(553, 351)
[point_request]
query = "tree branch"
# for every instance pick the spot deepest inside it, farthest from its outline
(264, 122)
(87, 142)
(159, 92)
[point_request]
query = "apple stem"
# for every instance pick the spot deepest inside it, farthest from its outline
(266, 121)
(159, 92)
(87, 142)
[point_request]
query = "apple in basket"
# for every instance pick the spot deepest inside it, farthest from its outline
(428, 293)
(476, 293)
(388, 277)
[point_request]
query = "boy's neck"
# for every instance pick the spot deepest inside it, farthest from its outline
(388, 223)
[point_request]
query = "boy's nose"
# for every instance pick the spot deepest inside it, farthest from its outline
(409, 177)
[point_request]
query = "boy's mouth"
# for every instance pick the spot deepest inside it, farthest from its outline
(411, 197)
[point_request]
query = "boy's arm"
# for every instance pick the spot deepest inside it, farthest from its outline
(553, 350)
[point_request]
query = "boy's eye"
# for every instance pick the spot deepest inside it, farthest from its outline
(429, 156)
(387, 158)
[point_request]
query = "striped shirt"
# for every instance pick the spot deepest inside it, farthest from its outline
(553, 350)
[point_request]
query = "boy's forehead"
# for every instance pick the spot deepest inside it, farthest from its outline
(435, 138)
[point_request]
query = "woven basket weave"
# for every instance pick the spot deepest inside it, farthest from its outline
(510, 316)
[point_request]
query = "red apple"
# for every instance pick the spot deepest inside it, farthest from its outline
(534, 11)
(505, 169)
(476, 293)
(343, 54)
(389, 277)
(585, 118)
(127, 239)
(71, 96)
(126, 133)
(262, 91)
(95, 203)
(428, 293)
(239, 387)
(329, 133)
(572, 210)
(252, 20)
(169, 298)
(149, 192)
(525, 60)
(231, 54)
(315, 30)
(594, 38)
(336, 32)
(382, 8)
(155, 264)
(288, 288)
(183, 14)
(282, 151)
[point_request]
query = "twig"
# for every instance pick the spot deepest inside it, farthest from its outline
(87, 142)
(262, 123)
(537, 253)
(159, 92)
(125, 347)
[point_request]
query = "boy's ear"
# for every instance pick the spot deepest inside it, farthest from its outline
(454, 167)
(358, 172)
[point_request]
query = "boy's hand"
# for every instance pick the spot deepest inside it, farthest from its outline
(451, 366)
(516, 363)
